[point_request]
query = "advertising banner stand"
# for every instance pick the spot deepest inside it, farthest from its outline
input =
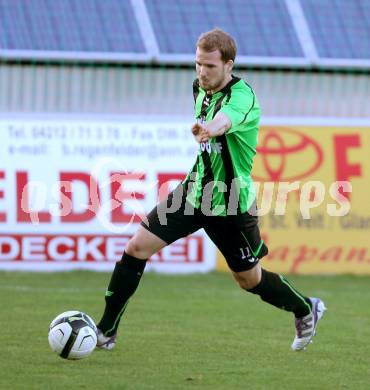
(73, 190)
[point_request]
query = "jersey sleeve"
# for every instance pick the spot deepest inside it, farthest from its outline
(239, 105)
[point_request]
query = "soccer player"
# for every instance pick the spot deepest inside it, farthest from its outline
(217, 195)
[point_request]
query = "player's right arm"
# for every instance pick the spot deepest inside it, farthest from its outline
(219, 125)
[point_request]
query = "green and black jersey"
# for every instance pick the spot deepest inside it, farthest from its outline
(220, 179)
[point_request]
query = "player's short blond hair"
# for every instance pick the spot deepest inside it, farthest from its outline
(218, 39)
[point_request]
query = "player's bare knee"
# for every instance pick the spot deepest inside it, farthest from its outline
(247, 281)
(247, 284)
(136, 249)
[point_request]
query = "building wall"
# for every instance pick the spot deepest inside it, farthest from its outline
(136, 91)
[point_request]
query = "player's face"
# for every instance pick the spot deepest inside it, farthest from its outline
(212, 72)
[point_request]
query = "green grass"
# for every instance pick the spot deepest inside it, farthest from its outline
(185, 332)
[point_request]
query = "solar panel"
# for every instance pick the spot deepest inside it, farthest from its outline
(113, 30)
(69, 25)
(261, 27)
(340, 29)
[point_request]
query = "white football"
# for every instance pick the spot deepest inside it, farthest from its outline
(72, 335)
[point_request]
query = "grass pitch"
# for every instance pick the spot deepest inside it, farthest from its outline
(185, 332)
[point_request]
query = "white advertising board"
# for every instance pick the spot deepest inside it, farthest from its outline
(73, 191)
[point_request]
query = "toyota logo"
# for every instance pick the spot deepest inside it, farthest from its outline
(285, 155)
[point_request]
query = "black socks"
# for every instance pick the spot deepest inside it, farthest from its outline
(273, 289)
(124, 281)
(277, 291)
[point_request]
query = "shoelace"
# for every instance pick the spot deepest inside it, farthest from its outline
(302, 324)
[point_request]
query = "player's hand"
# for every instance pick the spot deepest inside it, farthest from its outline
(200, 133)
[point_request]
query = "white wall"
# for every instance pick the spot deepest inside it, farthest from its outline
(132, 90)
